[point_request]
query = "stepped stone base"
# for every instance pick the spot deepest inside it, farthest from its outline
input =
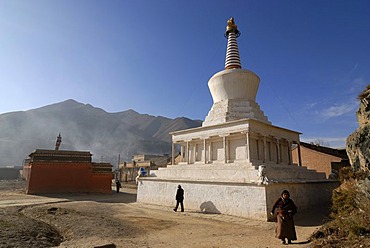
(237, 173)
(233, 188)
(238, 199)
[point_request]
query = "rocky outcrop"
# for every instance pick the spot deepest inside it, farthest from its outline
(350, 208)
(358, 143)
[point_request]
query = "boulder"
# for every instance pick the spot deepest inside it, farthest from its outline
(358, 143)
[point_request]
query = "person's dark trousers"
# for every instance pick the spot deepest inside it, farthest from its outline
(177, 205)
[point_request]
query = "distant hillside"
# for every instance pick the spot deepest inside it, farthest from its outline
(86, 128)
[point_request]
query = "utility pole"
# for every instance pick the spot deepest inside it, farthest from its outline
(118, 174)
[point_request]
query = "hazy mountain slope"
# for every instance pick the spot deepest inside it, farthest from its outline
(157, 127)
(84, 127)
(175, 125)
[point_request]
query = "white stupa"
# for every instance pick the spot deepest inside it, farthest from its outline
(233, 90)
(237, 163)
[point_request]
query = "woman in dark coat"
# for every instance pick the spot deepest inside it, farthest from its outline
(286, 208)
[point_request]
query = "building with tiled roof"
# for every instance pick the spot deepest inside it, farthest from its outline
(61, 171)
(321, 158)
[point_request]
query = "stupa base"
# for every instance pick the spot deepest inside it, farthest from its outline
(247, 200)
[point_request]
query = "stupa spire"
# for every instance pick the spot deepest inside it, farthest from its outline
(232, 60)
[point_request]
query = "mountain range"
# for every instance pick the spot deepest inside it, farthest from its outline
(86, 128)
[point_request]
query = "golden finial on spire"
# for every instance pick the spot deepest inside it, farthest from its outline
(231, 27)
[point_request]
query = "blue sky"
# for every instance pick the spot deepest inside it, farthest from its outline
(156, 57)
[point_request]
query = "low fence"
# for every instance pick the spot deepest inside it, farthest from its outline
(9, 173)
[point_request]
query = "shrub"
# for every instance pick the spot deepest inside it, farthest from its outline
(348, 173)
(350, 211)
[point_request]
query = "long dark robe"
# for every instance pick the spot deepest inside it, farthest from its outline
(179, 199)
(285, 228)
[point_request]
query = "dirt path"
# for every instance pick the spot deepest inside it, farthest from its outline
(85, 220)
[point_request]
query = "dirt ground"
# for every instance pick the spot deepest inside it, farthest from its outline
(116, 220)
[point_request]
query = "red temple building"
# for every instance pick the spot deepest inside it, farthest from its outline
(60, 171)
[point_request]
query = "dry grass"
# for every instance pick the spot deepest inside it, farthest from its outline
(350, 225)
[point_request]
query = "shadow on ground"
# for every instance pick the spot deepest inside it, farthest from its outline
(313, 217)
(121, 197)
(126, 195)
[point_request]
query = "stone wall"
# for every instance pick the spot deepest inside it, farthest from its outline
(305, 195)
(231, 199)
(238, 199)
(315, 160)
(66, 177)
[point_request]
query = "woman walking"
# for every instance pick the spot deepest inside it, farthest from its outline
(286, 208)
